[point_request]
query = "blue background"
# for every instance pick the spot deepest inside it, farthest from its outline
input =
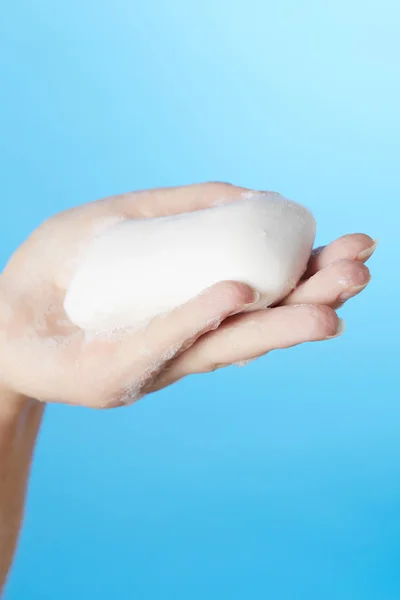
(280, 480)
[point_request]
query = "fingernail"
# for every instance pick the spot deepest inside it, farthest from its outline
(353, 291)
(339, 331)
(368, 252)
(256, 297)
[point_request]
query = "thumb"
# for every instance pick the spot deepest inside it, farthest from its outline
(183, 325)
(133, 360)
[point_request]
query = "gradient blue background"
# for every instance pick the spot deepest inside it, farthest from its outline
(280, 480)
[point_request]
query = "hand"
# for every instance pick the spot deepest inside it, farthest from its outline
(44, 356)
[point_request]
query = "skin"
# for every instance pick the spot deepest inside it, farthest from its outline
(44, 358)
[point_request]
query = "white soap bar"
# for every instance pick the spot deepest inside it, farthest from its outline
(142, 268)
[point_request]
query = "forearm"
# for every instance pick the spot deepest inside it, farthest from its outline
(19, 425)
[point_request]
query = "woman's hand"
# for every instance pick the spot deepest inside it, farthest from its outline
(44, 356)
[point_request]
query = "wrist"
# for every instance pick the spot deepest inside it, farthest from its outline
(20, 419)
(13, 406)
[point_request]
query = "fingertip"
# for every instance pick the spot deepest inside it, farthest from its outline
(341, 328)
(365, 254)
(349, 272)
(320, 321)
(231, 296)
(354, 246)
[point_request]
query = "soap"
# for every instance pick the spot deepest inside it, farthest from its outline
(142, 268)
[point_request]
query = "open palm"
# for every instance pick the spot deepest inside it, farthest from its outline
(44, 356)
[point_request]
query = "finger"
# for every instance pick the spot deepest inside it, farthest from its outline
(333, 285)
(171, 201)
(248, 336)
(356, 246)
(201, 314)
(130, 360)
